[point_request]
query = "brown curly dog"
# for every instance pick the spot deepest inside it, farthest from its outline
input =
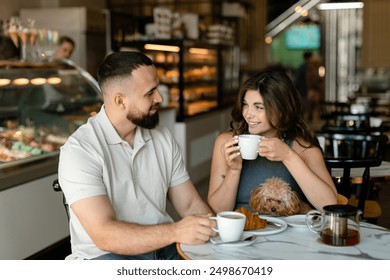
(274, 197)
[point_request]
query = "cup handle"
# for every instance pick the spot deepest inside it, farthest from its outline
(213, 228)
(314, 221)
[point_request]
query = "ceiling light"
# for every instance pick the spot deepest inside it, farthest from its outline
(4, 82)
(198, 51)
(165, 48)
(38, 81)
(290, 16)
(339, 6)
(268, 40)
(21, 82)
(54, 80)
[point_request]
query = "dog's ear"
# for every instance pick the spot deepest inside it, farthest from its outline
(257, 199)
(292, 203)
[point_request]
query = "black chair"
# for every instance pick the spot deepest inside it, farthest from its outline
(352, 120)
(340, 118)
(57, 187)
(329, 108)
(347, 151)
(354, 130)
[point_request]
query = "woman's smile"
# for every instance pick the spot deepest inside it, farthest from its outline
(253, 124)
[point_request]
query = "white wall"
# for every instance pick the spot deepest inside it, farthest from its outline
(11, 8)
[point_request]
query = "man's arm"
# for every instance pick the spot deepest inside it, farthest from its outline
(98, 218)
(187, 201)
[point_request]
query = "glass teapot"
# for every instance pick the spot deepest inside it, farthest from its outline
(337, 225)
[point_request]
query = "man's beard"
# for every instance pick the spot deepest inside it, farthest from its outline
(144, 121)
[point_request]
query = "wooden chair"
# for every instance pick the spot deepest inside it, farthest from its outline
(347, 151)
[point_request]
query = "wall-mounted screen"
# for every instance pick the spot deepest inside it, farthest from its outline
(301, 36)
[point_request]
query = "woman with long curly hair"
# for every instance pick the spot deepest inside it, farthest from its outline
(269, 105)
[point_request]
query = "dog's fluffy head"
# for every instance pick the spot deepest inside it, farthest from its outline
(275, 197)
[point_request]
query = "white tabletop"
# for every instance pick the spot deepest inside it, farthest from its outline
(297, 243)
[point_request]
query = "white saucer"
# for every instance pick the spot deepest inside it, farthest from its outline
(296, 221)
(269, 229)
(217, 241)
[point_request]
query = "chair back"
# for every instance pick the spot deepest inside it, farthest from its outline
(352, 120)
(354, 130)
(57, 187)
(347, 151)
(352, 146)
(329, 108)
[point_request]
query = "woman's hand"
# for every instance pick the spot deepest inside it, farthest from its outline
(232, 154)
(273, 149)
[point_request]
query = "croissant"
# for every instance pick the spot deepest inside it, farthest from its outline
(253, 221)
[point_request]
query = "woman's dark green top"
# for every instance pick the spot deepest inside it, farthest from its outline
(256, 172)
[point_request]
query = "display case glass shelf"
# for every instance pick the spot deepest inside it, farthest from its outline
(41, 104)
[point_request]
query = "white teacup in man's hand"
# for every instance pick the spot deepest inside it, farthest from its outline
(230, 225)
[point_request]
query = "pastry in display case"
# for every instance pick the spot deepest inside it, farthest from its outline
(41, 104)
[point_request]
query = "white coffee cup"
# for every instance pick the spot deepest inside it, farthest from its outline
(249, 146)
(230, 225)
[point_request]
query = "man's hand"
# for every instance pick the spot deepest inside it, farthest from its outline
(194, 229)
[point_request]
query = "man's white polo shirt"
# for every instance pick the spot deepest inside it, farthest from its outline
(96, 161)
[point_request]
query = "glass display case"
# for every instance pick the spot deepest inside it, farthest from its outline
(41, 104)
(194, 72)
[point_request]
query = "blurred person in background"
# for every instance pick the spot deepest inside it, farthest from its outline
(65, 48)
(301, 78)
(315, 87)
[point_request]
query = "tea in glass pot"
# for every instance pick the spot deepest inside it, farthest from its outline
(337, 225)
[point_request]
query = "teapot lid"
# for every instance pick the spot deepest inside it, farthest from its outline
(341, 210)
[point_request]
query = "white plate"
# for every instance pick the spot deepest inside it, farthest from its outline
(217, 241)
(269, 229)
(296, 220)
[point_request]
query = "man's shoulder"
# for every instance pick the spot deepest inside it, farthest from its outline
(162, 137)
(161, 132)
(84, 130)
(86, 133)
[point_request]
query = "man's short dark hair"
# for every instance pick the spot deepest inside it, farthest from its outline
(121, 64)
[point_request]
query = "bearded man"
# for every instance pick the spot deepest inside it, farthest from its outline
(118, 170)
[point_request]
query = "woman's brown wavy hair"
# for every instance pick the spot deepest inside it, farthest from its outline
(282, 103)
